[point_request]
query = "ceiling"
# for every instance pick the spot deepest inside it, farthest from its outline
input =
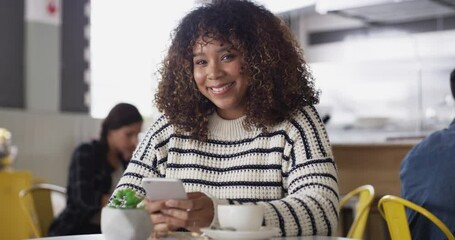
(388, 11)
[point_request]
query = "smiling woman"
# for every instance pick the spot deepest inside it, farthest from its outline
(238, 126)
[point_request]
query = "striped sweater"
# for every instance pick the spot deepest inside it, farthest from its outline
(289, 170)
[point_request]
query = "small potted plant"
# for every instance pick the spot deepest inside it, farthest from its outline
(125, 218)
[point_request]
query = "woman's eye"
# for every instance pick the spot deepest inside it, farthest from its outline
(228, 57)
(199, 62)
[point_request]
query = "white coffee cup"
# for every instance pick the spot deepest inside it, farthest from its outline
(241, 217)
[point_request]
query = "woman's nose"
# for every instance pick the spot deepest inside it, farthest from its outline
(214, 71)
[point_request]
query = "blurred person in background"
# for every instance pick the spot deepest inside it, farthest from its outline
(95, 169)
(427, 179)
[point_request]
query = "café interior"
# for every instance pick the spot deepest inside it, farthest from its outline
(382, 68)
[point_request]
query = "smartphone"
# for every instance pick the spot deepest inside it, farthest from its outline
(163, 189)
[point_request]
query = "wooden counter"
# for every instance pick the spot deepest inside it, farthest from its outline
(375, 164)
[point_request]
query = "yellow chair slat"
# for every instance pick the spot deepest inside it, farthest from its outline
(392, 209)
(40, 213)
(365, 195)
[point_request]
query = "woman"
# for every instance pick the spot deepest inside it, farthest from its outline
(95, 169)
(238, 126)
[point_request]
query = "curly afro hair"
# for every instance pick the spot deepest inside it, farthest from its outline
(280, 80)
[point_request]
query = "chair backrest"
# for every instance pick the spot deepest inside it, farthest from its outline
(392, 209)
(41, 203)
(365, 196)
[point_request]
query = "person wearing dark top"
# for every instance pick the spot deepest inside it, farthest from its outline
(427, 179)
(95, 169)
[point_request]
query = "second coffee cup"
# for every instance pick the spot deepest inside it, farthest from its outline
(241, 217)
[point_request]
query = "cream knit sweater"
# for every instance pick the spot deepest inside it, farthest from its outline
(289, 170)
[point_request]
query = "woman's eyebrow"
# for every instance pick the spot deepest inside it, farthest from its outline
(222, 49)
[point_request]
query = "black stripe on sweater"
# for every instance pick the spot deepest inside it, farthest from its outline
(233, 183)
(238, 142)
(146, 150)
(280, 220)
(141, 164)
(334, 209)
(293, 160)
(316, 133)
(310, 215)
(294, 215)
(318, 118)
(149, 143)
(318, 185)
(135, 175)
(163, 160)
(250, 200)
(326, 175)
(308, 153)
(228, 156)
(310, 162)
(235, 168)
(326, 220)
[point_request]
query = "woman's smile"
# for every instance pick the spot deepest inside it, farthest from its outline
(222, 88)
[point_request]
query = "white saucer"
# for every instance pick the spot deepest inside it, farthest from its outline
(263, 233)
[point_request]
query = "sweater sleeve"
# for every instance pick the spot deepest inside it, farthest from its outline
(145, 162)
(310, 204)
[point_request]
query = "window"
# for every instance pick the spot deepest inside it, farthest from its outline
(128, 42)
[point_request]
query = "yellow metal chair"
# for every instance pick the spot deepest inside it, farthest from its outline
(13, 221)
(392, 209)
(365, 196)
(41, 203)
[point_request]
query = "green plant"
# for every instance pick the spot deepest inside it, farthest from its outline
(126, 198)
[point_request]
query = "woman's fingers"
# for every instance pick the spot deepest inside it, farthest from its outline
(195, 201)
(195, 212)
(154, 206)
(177, 213)
(158, 218)
(192, 213)
(187, 204)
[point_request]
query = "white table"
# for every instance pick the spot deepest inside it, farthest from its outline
(182, 236)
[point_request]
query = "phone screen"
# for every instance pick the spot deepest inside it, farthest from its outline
(163, 188)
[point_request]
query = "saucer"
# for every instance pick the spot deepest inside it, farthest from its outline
(263, 233)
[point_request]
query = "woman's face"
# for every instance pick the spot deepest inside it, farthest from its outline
(124, 140)
(217, 72)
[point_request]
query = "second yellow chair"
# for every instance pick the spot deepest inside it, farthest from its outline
(392, 209)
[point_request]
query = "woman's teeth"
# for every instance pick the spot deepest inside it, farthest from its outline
(220, 89)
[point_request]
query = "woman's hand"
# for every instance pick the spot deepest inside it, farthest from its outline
(192, 214)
